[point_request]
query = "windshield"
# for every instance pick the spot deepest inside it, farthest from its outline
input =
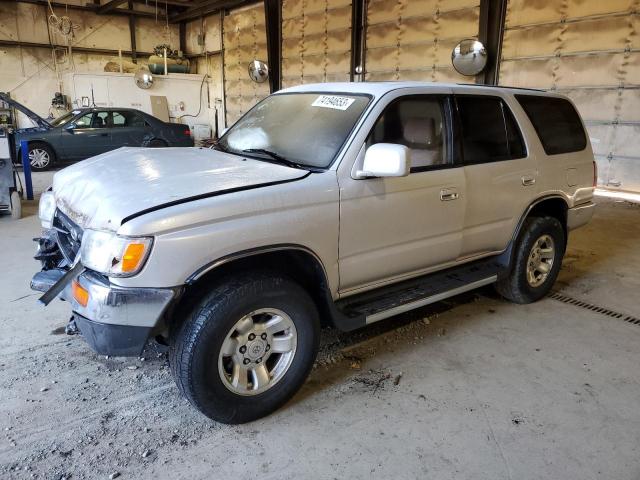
(307, 129)
(64, 119)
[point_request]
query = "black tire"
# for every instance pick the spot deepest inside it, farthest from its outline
(37, 147)
(196, 343)
(157, 143)
(515, 286)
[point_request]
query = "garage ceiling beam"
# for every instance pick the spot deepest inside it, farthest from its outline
(109, 6)
(88, 8)
(98, 51)
(208, 7)
(173, 3)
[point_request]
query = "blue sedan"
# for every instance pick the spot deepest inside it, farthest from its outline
(85, 132)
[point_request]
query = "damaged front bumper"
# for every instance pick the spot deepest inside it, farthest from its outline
(115, 321)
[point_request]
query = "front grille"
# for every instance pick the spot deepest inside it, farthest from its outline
(68, 236)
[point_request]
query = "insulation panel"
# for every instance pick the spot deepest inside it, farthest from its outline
(244, 40)
(589, 51)
(413, 39)
(316, 41)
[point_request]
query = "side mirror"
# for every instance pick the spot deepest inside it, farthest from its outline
(385, 160)
(69, 128)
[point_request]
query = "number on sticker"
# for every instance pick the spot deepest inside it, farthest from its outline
(333, 101)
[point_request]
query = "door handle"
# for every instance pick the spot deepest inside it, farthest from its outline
(528, 180)
(448, 195)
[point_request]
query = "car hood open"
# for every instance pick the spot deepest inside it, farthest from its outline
(37, 119)
(105, 191)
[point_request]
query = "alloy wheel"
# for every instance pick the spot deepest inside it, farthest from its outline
(540, 261)
(257, 352)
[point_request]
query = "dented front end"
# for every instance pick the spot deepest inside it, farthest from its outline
(113, 320)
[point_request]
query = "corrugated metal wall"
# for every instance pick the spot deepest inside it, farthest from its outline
(316, 41)
(244, 40)
(590, 51)
(413, 39)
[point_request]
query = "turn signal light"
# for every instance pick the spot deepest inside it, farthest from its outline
(132, 257)
(80, 294)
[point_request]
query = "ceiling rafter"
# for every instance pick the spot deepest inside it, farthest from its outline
(208, 7)
(88, 8)
(109, 6)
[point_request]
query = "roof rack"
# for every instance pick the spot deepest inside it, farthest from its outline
(500, 86)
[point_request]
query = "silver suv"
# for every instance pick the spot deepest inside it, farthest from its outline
(339, 204)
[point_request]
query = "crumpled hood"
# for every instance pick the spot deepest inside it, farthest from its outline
(102, 191)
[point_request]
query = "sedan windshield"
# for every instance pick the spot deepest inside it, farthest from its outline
(64, 118)
(298, 129)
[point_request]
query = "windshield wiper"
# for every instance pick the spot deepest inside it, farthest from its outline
(279, 158)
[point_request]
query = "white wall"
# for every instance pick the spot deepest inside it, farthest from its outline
(188, 104)
(33, 75)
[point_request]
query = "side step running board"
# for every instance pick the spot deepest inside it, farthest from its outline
(428, 300)
(356, 311)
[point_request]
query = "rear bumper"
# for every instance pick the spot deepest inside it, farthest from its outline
(116, 321)
(580, 215)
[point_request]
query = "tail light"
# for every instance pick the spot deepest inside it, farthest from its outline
(187, 132)
(595, 174)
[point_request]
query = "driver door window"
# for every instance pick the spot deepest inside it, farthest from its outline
(417, 123)
(84, 121)
(89, 136)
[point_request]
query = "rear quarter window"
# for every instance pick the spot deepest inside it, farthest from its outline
(556, 122)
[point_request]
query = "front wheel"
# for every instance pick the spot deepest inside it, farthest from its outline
(536, 262)
(246, 348)
(41, 156)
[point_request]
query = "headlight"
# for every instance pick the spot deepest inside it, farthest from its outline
(46, 209)
(113, 254)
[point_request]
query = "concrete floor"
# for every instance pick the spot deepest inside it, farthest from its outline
(474, 388)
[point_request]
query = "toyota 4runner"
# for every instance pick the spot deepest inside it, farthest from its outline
(339, 204)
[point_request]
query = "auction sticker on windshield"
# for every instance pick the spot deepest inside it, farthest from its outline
(333, 101)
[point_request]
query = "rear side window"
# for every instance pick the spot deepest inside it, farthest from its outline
(489, 131)
(556, 122)
(128, 119)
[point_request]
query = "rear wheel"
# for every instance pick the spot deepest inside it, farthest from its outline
(536, 262)
(157, 143)
(246, 348)
(41, 156)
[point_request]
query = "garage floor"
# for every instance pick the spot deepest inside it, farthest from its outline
(474, 388)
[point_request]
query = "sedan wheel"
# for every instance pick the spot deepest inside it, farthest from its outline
(39, 158)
